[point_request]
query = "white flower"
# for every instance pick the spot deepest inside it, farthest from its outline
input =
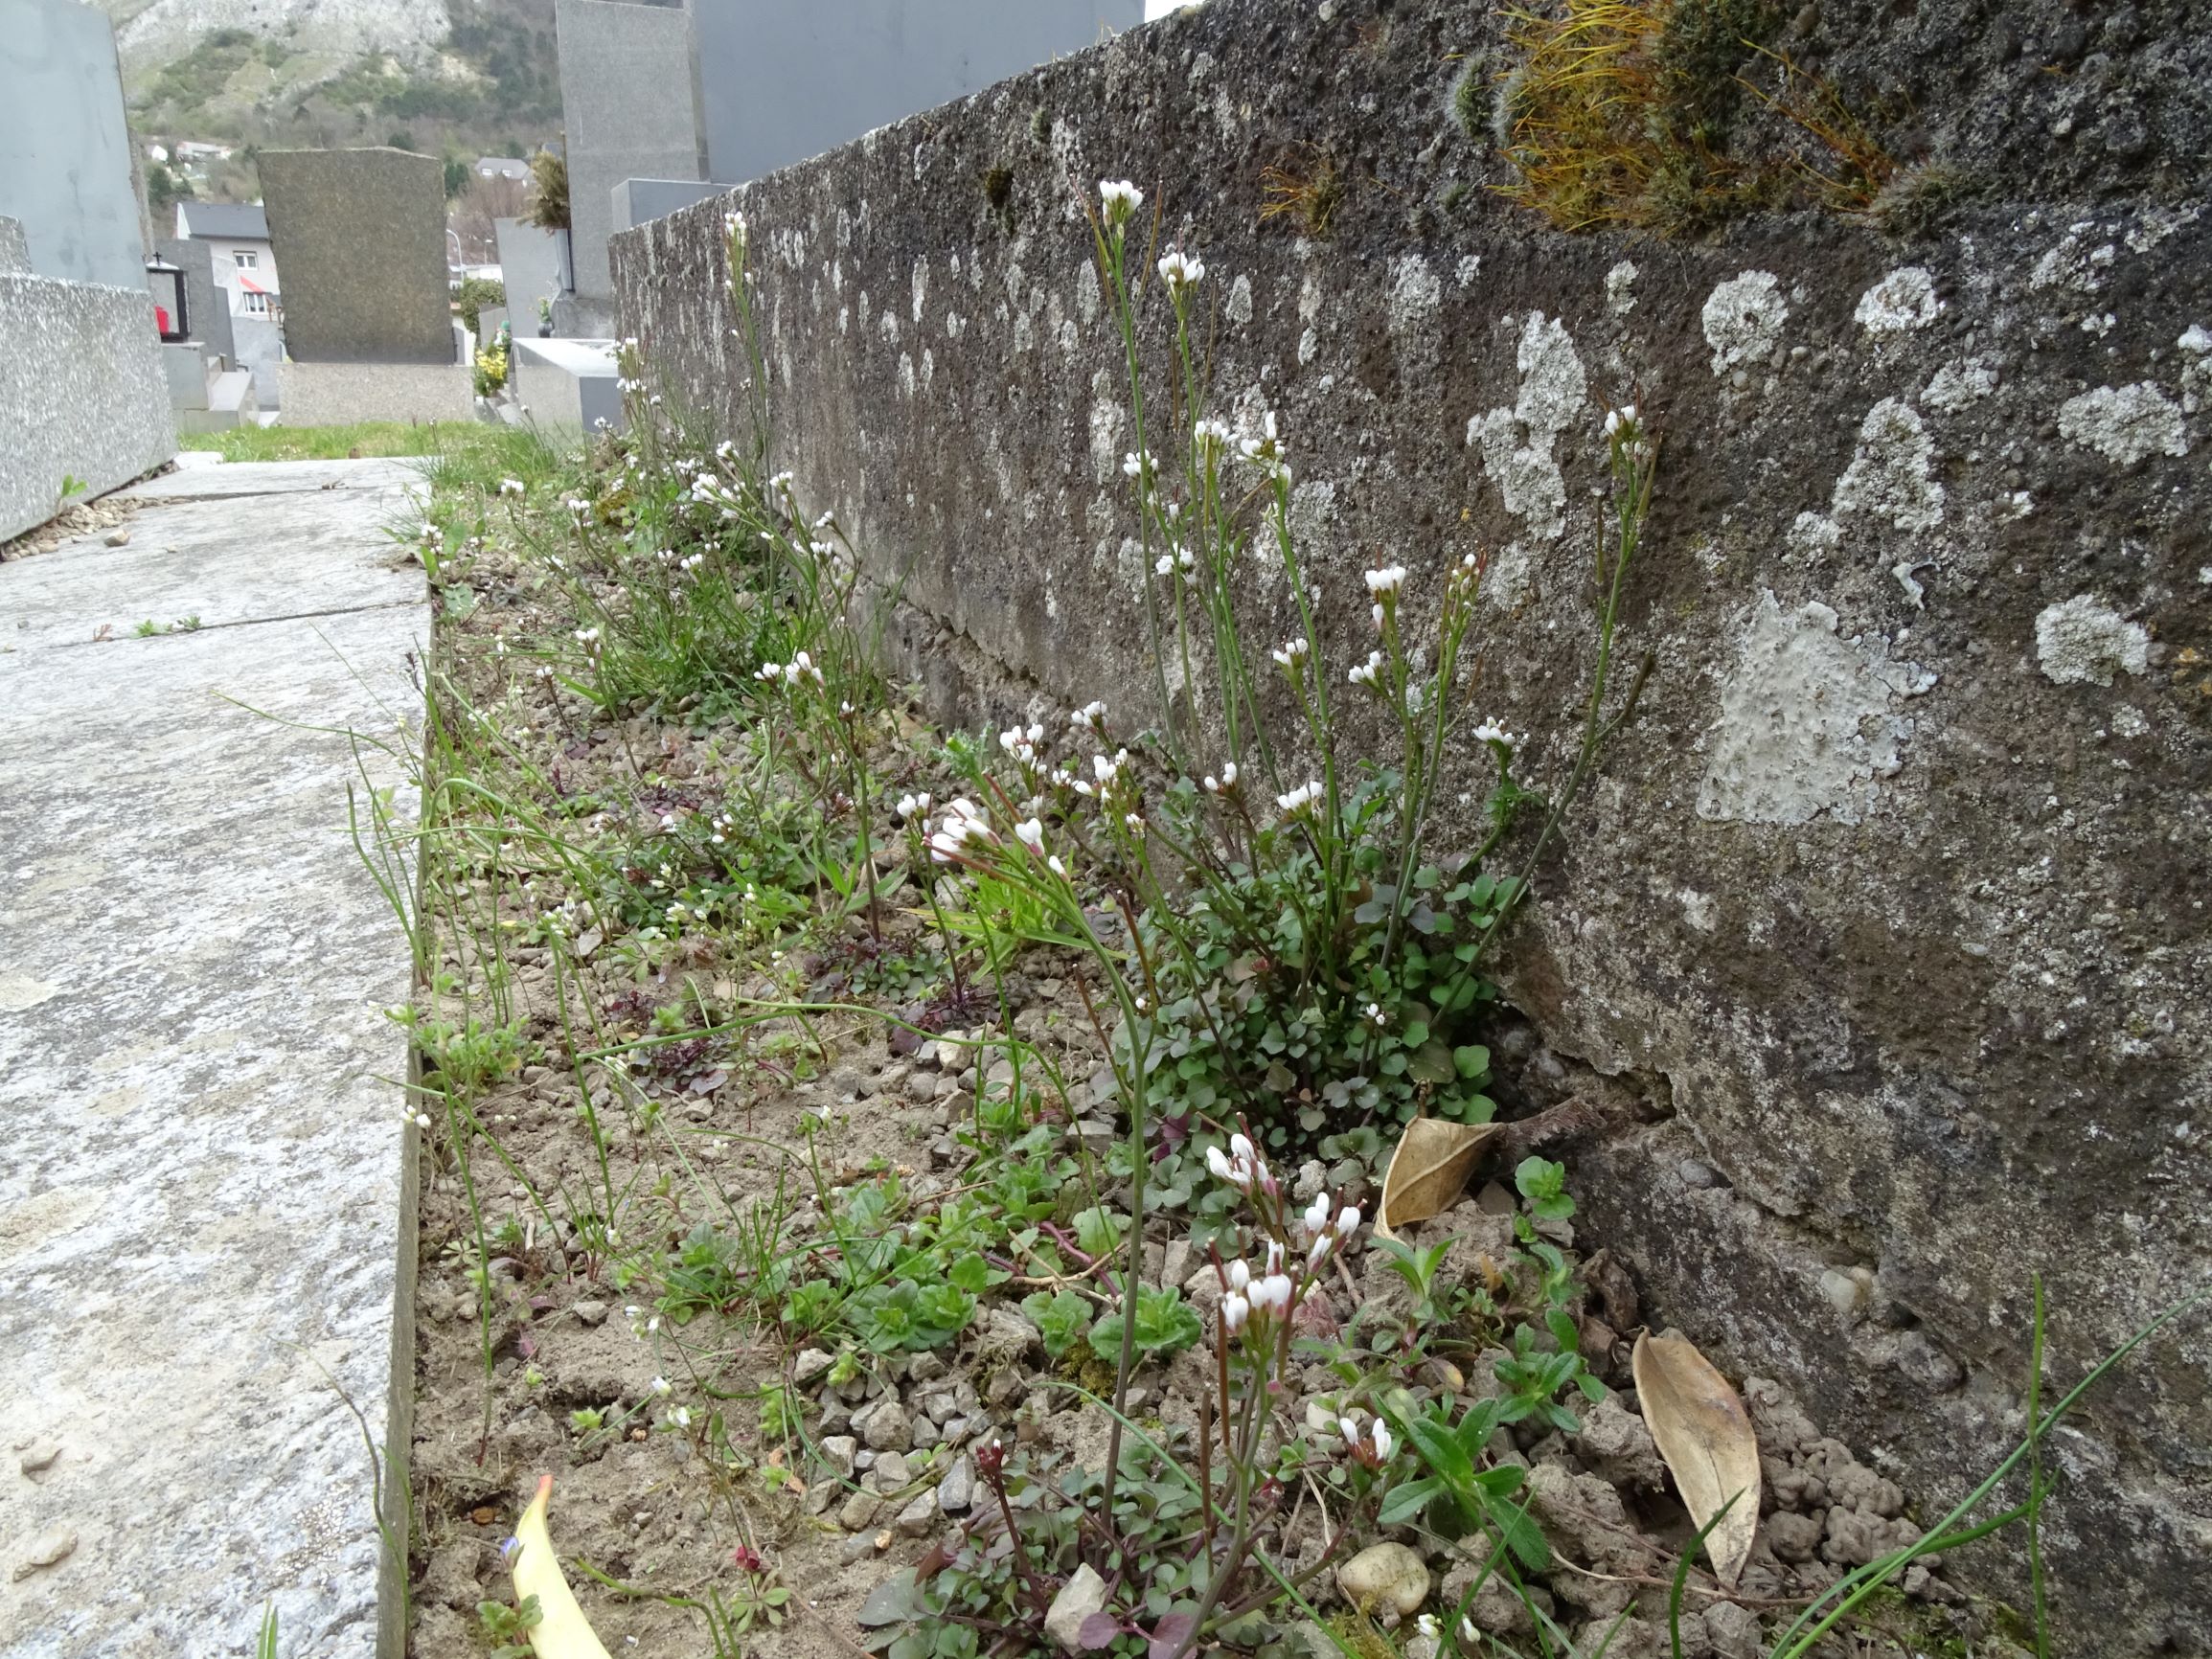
(1621, 420)
(1054, 865)
(1317, 1214)
(1212, 437)
(1120, 199)
(513, 486)
(681, 1417)
(1490, 732)
(576, 505)
(1375, 1013)
(912, 806)
(1292, 653)
(1368, 672)
(1350, 1430)
(1384, 1445)
(1273, 1293)
(1235, 1310)
(1031, 834)
(1239, 1274)
(1348, 1221)
(1181, 270)
(1387, 580)
(1136, 463)
(1300, 798)
(662, 1385)
(1229, 775)
(1089, 718)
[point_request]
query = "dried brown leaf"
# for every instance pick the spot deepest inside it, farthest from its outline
(1428, 1171)
(1705, 1436)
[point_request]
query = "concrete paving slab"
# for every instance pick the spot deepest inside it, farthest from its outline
(206, 1205)
(277, 478)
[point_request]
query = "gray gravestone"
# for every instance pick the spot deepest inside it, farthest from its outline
(207, 309)
(638, 201)
(534, 267)
(65, 154)
(360, 237)
(780, 80)
(630, 112)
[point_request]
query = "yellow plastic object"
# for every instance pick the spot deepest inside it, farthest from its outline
(562, 1632)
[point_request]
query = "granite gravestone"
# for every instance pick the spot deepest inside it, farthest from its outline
(65, 155)
(780, 80)
(630, 111)
(360, 236)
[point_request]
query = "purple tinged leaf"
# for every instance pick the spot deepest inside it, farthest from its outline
(1098, 1630)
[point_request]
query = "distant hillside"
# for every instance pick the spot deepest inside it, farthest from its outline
(466, 76)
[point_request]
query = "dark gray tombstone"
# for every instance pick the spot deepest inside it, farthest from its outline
(360, 237)
(780, 80)
(207, 308)
(638, 201)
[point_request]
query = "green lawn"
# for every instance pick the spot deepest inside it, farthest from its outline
(363, 438)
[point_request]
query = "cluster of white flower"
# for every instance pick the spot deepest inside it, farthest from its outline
(800, 668)
(1181, 270)
(1022, 744)
(1226, 780)
(1293, 654)
(1242, 1167)
(1301, 797)
(1137, 464)
(1377, 1013)
(1105, 775)
(1174, 559)
(1368, 672)
(1090, 718)
(717, 830)
(1372, 1447)
(576, 505)
(1212, 438)
(1120, 199)
(513, 486)
(1623, 428)
(1264, 449)
(691, 562)
(780, 484)
(1385, 583)
(588, 639)
(1265, 1295)
(911, 808)
(1490, 732)
(964, 822)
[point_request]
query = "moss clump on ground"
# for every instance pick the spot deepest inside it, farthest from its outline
(1633, 112)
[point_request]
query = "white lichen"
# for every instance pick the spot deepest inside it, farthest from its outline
(1239, 304)
(1892, 472)
(2084, 641)
(1808, 724)
(1743, 318)
(1900, 303)
(1959, 383)
(1517, 444)
(1416, 295)
(2125, 423)
(1619, 282)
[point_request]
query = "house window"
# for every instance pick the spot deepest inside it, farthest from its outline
(258, 304)
(246, 259)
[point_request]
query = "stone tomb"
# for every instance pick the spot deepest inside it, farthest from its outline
(369, 332)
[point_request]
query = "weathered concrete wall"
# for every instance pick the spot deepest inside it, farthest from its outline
(1888, 915)
(84, 392)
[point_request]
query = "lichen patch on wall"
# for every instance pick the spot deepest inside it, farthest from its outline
(1902, 301)
(1518, 443)
(1892, 472)
(1743, 318)
(2125, 423)
(2084, 641)
(1808, 723)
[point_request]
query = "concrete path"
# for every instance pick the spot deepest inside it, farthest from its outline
(203, 1198)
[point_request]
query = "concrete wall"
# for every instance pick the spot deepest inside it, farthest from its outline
(65, 154)
(571, 384)
(1884, 932)
(628, 110)
(339, 394)
(780, 80)
(85, 394)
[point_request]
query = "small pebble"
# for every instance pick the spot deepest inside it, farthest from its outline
(44, 1549)
(590, 1312)
(38, 1457)
(119, 539)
